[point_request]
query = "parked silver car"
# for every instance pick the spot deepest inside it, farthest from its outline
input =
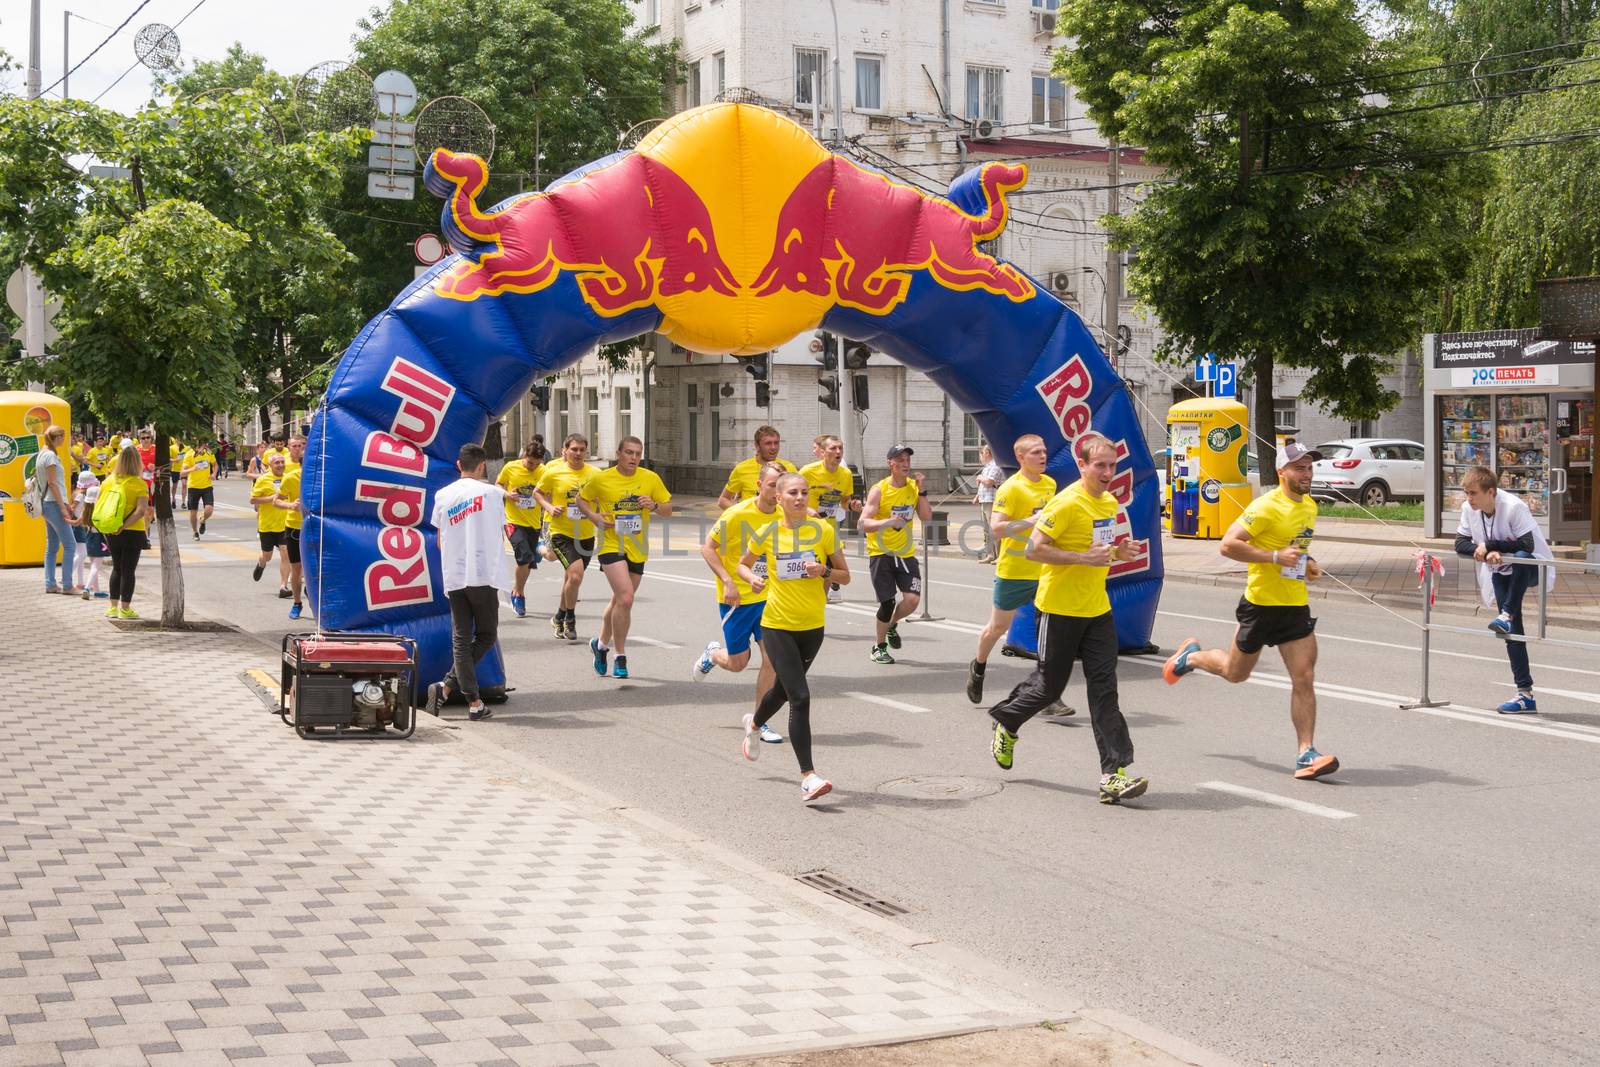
(1369, 470)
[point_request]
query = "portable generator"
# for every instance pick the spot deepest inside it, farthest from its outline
(348, 685)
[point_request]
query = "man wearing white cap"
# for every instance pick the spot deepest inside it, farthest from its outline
(1273, 536)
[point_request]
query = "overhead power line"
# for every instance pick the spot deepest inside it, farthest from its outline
(67, 74)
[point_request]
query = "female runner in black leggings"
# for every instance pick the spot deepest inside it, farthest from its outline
(803, 557)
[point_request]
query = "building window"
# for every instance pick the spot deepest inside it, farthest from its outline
(869, 83)
(1045, 5)
(624, 414)
(691, 404)
(719, 72)
(558, 404)
(971, 441)
(1049, 102)
(984, 93)
(591, 419)
(810, 63)
(652, 13)
(1286, 413)
(694, 84)
(1363, 428)
(716, 422)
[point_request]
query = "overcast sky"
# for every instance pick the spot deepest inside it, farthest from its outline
(292, 34)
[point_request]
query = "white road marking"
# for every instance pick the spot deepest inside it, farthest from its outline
(886, 702)
(1282, 802)
(635, 639)
(962, 585)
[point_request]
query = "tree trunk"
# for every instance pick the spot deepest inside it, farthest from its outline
(167, 530)
(1265, 419)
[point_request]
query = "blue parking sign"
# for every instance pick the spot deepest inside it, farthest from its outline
(1227, 379)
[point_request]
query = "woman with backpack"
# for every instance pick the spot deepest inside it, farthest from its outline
(121, 513)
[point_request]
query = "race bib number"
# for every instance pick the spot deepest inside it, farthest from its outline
(760, 569)
(902, 511)
(573, 512)
(202, 465)
(1296, 573)
(792, 565)
(1105, 532)
(525, 498)
(835, 512)
(629, 524)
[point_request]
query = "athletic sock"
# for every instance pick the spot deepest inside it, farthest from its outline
(978, 666)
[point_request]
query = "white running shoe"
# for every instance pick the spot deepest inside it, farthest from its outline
(835, 596)
(770, 736)
(703, 665)
(814, 786)
(752, 747)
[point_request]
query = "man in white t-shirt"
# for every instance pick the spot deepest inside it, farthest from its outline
(1495, 525)
(472, 556)
(989, 479)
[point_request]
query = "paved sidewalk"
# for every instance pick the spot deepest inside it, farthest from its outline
(185, 882)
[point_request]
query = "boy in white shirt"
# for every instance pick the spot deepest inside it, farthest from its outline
(472, 556)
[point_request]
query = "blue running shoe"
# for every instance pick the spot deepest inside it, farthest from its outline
(1178, 664)
(620, 668)
(1524, 704)
(519, 605)
(294, 611)
(1501, 624)
(769, 735)
(704, 664)
(1313, 764)
(600, 655)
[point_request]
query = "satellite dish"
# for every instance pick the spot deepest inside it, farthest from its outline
(333, 96)
(456, 123)
(156, 46)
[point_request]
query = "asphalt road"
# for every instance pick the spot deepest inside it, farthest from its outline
(1432, 903)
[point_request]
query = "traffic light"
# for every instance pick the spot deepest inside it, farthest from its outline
(829, 396)
(828, 356)
(763, 394)
(541, 397)
(858, 389)
(759, 367)
(855, 355)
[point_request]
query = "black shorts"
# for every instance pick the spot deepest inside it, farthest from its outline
(201, 496)
(608, 558)
(569, 550)
(524, 544)
(291, 541)
(1271, 624)
(271, 539)
(892, 574)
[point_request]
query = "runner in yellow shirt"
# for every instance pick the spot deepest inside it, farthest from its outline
(1074, 539)
(199, 466)
(742, 479)
(832, 488)
(524, 517)
(1012, 514)
(288, 499)
(571, 535)
(619, 502)
(1273, 537)
(271, 520)
(802, 556)
(892, 560)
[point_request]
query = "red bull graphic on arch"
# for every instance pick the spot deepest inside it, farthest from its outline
(729, 229)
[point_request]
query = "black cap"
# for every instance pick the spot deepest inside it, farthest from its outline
(900, 450)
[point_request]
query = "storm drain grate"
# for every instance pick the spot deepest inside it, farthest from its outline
(834, 887)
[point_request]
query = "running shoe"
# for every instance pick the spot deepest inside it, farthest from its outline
(479, 713)
(101, 596)
(113, 611)
(893, 636)
(1059, 710)
(600, 655)
(127, 613)
(294, 611)
(770, 736)
(1524, 704)
(975, 682)
(880, 654)
(619, 669)
(255, 575)
(1115, 788)
(752, 750)
(519, 606)
(86, 595)
(558, 623)
(1501, 623)
(703, 665)
(814, 786)
(1313, 764)
(202, 527)
(197, 535)
(1177, 664)
(572, 627)
(435, 698)
(284, 592)
(1004, 746)
(835, 595)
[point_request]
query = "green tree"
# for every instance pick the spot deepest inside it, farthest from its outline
(1306, 218)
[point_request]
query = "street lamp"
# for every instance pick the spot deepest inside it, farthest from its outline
(838, 92)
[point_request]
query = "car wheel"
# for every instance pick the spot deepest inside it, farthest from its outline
(1374, 495)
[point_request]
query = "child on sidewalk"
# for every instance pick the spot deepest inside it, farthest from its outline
(94, 542)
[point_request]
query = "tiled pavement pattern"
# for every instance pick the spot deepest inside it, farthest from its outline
(182, 881)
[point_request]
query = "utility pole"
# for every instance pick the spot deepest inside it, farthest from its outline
(1113, 256)
(838, 92)
(66, 53)
(33, 321)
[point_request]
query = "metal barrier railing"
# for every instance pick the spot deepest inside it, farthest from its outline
(1429, 571)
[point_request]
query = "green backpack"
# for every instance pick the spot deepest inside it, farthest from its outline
(110, 508)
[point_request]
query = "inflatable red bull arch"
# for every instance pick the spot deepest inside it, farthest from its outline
(730, 230)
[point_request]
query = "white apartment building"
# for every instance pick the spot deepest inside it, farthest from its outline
(929, 90)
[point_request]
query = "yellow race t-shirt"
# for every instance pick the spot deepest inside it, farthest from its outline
(269, 519)
(1075, 522)
(740, 530)
(829, 492)
(200, 465)
(744, 481)
(1019, 498)
(519, 483)
(133, 490)
(561, 485)
(795, 602)
(289, 489)
(619, 497)
(897, 503)
(1273, 522)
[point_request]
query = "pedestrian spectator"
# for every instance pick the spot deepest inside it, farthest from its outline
(81, 527)
(127, 539)
(94, 542)
(468, 513)
(257, 465)
(49, 473)
(224, 455)
(989, 478)
(1496, 524)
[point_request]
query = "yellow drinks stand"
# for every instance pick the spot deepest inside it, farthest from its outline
(1208, 473)
(24, 417)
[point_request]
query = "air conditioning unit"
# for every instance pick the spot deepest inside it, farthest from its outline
(985, 130)
(1061, 285)
(1044, 22)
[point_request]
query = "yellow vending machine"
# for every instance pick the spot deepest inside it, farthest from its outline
(24, 417)
(1208, 473)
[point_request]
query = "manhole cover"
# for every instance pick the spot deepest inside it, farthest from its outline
(940, 787)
